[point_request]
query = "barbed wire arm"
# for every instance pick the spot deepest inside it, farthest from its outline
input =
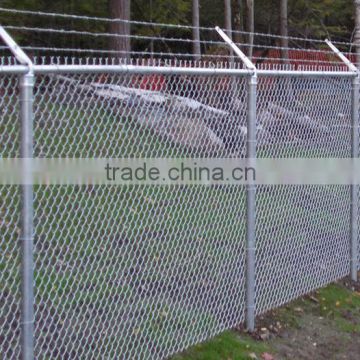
(15, 48)
(341, 56)
(247, 62)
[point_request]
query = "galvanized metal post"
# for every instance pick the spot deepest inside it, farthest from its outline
(27, 266)
(354, 204)
(354, 242)
(250, 204)
(251, 186)
(26, 236)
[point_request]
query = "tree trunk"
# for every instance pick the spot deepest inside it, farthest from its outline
(196, 30)
(250, 26)
(284, 41)
(357, 31)
(228, 26)
(238, 23)
(120, 9)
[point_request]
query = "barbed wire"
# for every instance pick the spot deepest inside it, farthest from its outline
(157, 38)
(105, 34)
(153, 24)
(258, 57)
(116, 52)
(162, 54)
(210, 61)
(59, 60)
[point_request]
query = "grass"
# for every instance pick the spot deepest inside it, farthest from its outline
(229, 345)
(335, 303)
(79, 272)
(341, 305)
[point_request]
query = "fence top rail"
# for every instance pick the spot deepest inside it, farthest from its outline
(163, 70)
(14, 69)
(305, 73)
(135, 69)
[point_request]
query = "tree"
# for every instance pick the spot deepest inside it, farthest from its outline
(250, 26)
(284, 41)
(196, 30)
(322, 19)
(228, 18)
(357, 31)
(238, 21)
(162, 11)
(228, 27)
(319, 19)
(120, 9)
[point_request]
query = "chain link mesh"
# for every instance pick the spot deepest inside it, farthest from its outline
(140, 271)
(9, 224)
(302, 232)
(358, 225)
(144, 271)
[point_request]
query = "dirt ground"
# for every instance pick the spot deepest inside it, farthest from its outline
(316, 338)
(323, 325)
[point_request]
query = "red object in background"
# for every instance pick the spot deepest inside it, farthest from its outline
(146, 82)
(149, 82)
(300, 58)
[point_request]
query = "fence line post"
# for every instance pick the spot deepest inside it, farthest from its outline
(250, 186)
(26, 89)
(250, 204)
(354, 245)
(27, 228)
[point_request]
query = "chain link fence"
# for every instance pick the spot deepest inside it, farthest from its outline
(10, 222)
(152, 269)
(146, 271)
(302, 232)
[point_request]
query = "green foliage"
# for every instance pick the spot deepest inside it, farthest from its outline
(325, 18)
(163, 11)
(320, 19)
